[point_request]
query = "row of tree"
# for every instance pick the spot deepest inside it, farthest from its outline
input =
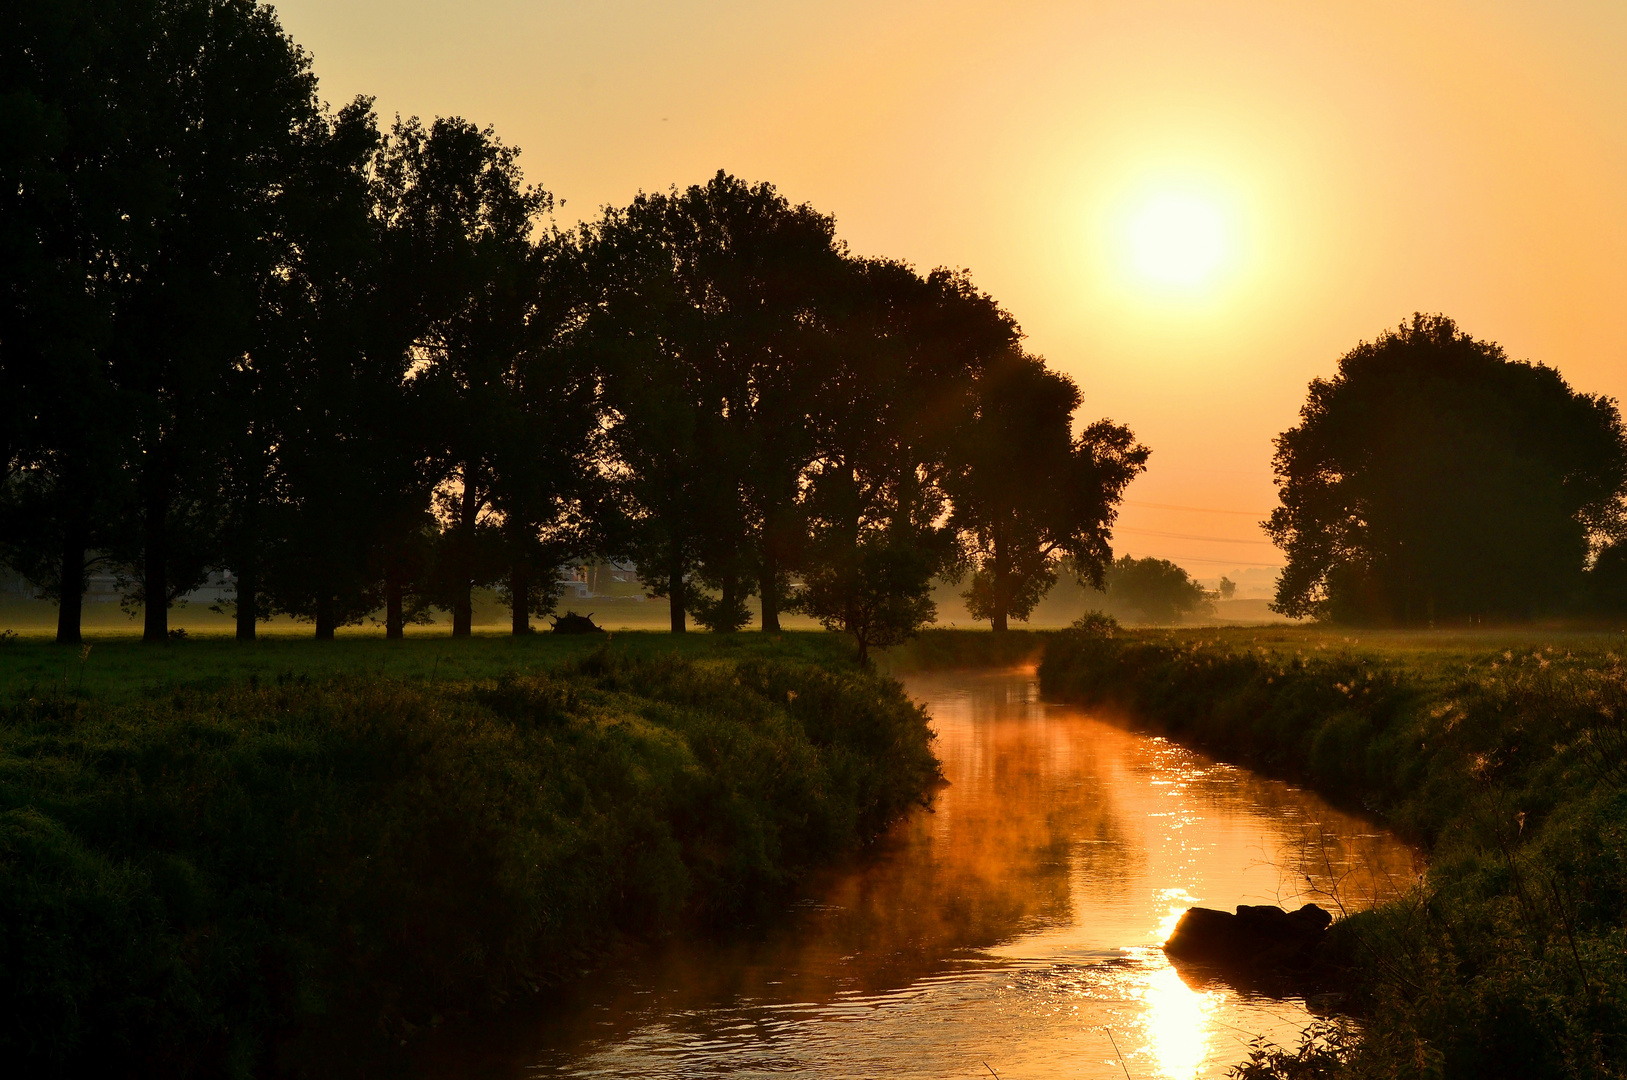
(243, 331)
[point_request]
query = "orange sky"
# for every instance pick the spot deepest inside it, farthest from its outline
(1371, 159)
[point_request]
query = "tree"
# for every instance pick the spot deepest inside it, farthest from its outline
(710, 332)
(461, 201)
(1607, 580)
(1433, 478)
(61, 449)
(877, 588)
(639, 333)
(312, 472)
(155, 143)
(1156, 588)
(1226, 589)
(1027, 492)
(544, 479)
(902, 350)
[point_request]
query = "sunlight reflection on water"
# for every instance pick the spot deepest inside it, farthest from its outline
(1017, 924)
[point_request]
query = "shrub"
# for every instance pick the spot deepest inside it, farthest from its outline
(205, 881)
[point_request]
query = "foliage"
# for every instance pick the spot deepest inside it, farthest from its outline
(878, 589)
(1027, 492)
(1503, 758)
(147, 152)
(1607, 580)
(1434, 478)
(1322, 1054)
(703, 316)
(346, 370)
(943, 650)
(201, 880)
(1156, 588)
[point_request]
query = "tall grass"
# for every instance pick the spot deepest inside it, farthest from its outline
(944, 649)
(198, 880)
(1509, 763)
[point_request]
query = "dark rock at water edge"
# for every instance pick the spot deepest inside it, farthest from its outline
(1258, 938)
(572, 623)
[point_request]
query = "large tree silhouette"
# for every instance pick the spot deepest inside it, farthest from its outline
(1029, 493)
(1433, 478)
(241, 332)
(469, 216)
(707, 325)
(345, 453)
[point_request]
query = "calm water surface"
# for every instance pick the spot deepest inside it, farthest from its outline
(1017, 924)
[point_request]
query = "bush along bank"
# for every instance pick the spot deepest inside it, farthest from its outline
(1510, 958)
(215, 882)
(948, 650)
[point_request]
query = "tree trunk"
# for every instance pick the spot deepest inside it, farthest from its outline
(463, 616)
(519, 589)
(768, 585)
(1002, 582)
(248, 606)
(395, 623)
(326, 620)
(463, 613)
(675, 594)
(154, 580)
(729, 602)
(71, 585)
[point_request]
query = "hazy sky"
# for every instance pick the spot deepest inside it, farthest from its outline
(1329, 169)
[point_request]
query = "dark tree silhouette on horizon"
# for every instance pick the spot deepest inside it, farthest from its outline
(244, 333)
(1156, 589)
(468, 216)
(161, 135)
(1432, 478)
(1028, 492)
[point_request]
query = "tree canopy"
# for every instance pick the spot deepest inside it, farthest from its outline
(356, 370)
(1433, 478)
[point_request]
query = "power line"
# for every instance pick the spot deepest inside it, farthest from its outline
(1188, 536)
(1218, 562)
(1197, 509)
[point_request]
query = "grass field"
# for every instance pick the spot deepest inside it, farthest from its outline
(117, 665)
(1504, 752)
(224, 859)
(114, 665)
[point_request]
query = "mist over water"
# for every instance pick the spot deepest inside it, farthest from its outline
(1017, 924)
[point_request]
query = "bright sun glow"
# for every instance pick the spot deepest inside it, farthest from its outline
(1177, 239)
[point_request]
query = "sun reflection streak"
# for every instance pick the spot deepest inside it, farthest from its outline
(1177, 1023)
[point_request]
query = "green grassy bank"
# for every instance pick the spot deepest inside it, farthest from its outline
(946, 650)
(217, 859)
(1505, 754)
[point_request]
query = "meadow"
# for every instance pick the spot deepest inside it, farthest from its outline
(245, 859)
(1504, 753)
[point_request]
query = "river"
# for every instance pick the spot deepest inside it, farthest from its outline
(1013, 930)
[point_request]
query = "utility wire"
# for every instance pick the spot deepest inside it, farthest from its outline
(1187, 536)
(1198, 509)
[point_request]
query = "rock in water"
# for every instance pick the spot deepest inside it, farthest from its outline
(1257, 938)
(572, 623)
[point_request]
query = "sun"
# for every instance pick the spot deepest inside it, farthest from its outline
(1177, 239)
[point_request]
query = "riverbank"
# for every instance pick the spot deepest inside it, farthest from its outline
(220, 867)
(1503, 754)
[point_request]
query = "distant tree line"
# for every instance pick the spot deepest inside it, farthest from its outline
(241, 330)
